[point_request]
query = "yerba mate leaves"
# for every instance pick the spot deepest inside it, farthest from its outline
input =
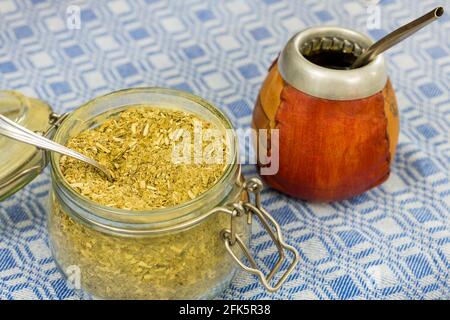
(138, 146)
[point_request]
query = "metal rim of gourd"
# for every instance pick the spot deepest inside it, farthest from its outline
(327, 83)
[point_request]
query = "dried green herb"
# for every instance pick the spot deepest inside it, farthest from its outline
(137, 145)
(190, 264)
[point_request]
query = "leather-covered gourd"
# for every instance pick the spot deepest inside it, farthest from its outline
(329, 149)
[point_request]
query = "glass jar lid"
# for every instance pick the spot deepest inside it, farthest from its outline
(20, 163)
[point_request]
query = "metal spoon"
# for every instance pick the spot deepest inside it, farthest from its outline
(14, 131)
(396, 36)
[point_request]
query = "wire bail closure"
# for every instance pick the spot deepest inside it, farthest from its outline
(231, 238)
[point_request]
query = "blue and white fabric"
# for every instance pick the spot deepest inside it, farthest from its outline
(389, 243)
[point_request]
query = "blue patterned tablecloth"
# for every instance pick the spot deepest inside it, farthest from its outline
(391, 242)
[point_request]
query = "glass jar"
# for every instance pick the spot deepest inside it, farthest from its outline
(189, 251)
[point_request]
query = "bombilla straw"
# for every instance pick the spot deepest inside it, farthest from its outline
(17, 132)
(396, 36)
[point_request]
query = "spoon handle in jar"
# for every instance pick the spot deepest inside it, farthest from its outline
(397, 36)
(17, 132)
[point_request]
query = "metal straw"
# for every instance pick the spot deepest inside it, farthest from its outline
(396, 36)
(17, 132)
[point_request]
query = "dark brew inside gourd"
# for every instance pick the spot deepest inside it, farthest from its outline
(332, 59)
(331, 52)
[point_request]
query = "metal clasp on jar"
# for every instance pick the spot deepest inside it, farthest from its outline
(231, 238)
(55, 121)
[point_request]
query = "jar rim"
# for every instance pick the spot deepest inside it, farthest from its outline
(138, 216)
